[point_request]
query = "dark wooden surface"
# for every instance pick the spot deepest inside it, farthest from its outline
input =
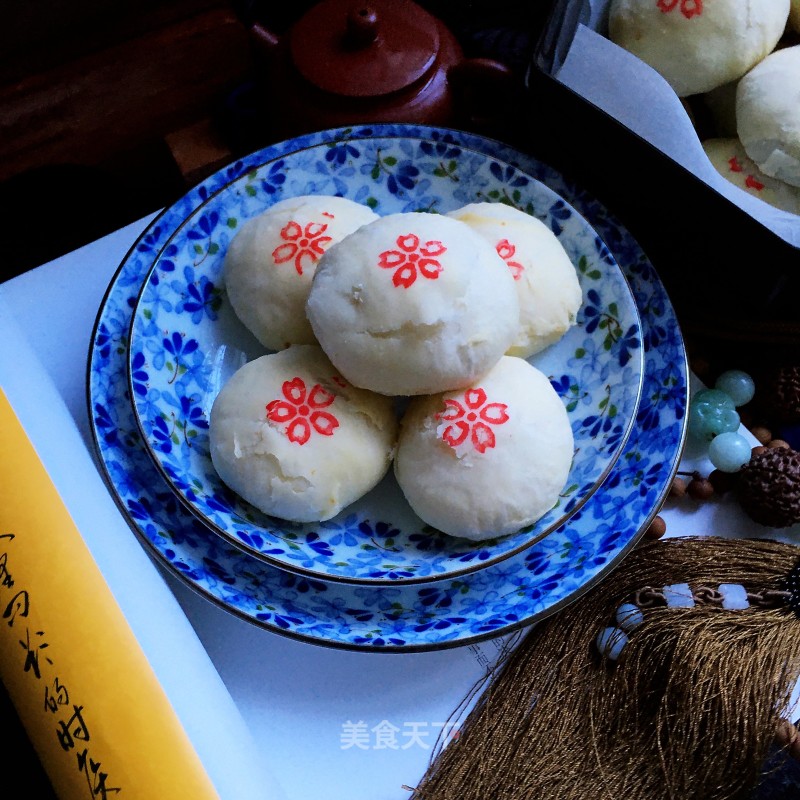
(95, 99)
(111, 111)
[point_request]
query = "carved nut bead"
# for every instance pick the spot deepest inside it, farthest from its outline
(768, 488)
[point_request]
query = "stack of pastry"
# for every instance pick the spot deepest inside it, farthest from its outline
(741, 61)
(403, 340)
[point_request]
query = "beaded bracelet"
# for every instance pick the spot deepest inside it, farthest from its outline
(765, 478)
(713, 418)
(612, 640)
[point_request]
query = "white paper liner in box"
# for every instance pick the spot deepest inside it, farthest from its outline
(633, 93)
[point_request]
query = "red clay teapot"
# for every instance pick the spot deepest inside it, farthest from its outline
(362, 61)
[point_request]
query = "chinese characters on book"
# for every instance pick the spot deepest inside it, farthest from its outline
(69, 714)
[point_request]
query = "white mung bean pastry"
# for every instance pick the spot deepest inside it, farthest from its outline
(768, 114)
(488, 460)
(546, 280)
(413, 303)
(698, 45)
(271, 261)
(728, 157)
(291, 437)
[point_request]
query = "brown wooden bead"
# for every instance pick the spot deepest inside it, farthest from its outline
(759, 448)
(722, 481)
(678, 488)
(656, 529)
(779, 443)
(763, 434)
(700, 488)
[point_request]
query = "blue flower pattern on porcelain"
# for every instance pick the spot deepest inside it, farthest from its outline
(176, 339)
(454, 611)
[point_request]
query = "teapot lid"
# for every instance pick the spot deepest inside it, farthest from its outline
(364, 48)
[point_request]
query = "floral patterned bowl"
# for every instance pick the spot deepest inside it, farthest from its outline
(185, 342)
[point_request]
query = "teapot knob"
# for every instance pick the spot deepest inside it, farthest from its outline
(362, 27)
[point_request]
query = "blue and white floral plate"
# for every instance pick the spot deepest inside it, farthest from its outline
(452, 612)
(186, 342)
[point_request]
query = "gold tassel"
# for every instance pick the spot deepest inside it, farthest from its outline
(690, 710)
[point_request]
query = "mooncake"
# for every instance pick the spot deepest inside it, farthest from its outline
(546, 280)
(291, 437)
(271, 261)
(698, 45)
(413, 303)
(768, 114)
(488, 460)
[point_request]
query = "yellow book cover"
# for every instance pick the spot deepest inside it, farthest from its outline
(82, 686)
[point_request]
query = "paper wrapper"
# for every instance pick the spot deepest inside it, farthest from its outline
(626, 88)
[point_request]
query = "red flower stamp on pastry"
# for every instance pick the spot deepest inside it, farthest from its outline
(302, 411)
(302, 242)
(506, 251)
(469, 423)
(689, 8)
(412, 258)
(750, 182)
(734, 165)
(753, 183)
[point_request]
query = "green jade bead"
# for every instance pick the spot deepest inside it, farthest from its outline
(711, 413)
(738, 385)
(729, 452)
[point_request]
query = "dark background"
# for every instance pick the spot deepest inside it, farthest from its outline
(111, 110)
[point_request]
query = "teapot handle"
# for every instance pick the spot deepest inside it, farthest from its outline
(484, 91)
